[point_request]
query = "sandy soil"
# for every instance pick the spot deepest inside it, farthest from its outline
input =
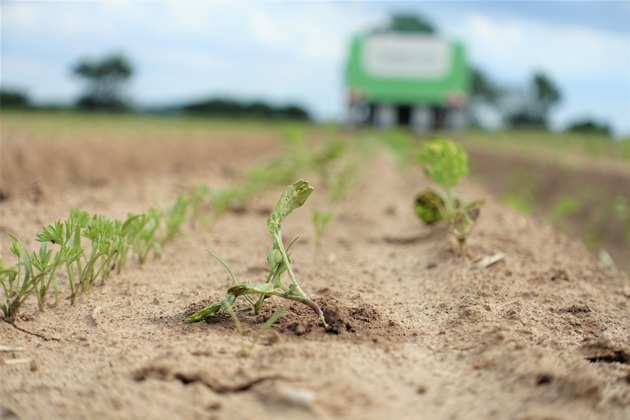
(416, 333)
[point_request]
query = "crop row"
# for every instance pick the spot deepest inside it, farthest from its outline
(84, 249)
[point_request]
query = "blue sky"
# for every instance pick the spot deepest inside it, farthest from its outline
(294, 51)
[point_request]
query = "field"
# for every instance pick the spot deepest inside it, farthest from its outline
(415, 330)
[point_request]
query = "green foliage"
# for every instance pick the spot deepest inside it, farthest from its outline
(225, 107)
(14, 99)
(321, 219)
(17, 282)
(403, 22)
(278, 258)
(401, 147)
(446, 164)
(563, 207)
(523, 203)
(105, 78)
(175, 218)
(429, 207)
(294, 196)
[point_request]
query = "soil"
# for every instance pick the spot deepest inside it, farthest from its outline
(596, 183)
(414, 331)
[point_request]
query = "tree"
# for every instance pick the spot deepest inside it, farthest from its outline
(105, 81)
(589, 126)
(485, 95)
(14, 99)
(483, 89)
(403, 22)
(546, 93)
(533, 107)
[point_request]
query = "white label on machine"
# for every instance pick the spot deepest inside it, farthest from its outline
(406, 55)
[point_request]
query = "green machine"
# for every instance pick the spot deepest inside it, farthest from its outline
(407, 78)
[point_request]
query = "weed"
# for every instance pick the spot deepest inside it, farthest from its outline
(293, 197)
(446, 164)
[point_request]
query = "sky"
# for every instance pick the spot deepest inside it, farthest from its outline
(294, 52)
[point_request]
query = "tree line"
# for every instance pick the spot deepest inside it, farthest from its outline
(105, 81)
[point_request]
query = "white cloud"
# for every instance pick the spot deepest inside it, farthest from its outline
(517, 47)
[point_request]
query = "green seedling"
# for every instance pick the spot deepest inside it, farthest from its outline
(293, 197)
(67, 235)
(144, 235)
(47, 266)
(321, 219)
(229, 198)
(197, 201)
(400, 146)
(563, 207)
(175, 218)
(17, 282)
(446, 164)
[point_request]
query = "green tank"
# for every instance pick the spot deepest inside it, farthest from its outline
(407, 78)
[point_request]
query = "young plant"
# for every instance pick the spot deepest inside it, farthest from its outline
(47, 266)
(293, 197)
(67, 235)
(175, 218)
(143, 235)
(446, 164)
(17, 282)
(321, 219)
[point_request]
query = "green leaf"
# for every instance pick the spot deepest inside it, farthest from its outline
(272, 320)
(444, 162)
(209, 310)
(250, 289)
(429, 207)
(294, 196)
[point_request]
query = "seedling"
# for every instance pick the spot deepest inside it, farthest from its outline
(293, 197)
(17, 282)
(175, 218)
(47, 267)
(321, 219)
(446, 164)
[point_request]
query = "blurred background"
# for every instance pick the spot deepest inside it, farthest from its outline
(293, 54)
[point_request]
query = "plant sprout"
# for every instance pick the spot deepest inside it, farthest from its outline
(17, 282)
(321, 219)
(293, 197)
(446, 164)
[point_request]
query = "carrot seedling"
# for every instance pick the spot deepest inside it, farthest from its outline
(293, 197)
(47, 265)
(17, 282)
(446, 164)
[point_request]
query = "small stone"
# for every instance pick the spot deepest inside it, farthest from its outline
(95, 314)
(626, 291)
(605, 338)
(156, 301)
(295, 397)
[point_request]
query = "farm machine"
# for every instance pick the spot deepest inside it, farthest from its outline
(407, 78)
